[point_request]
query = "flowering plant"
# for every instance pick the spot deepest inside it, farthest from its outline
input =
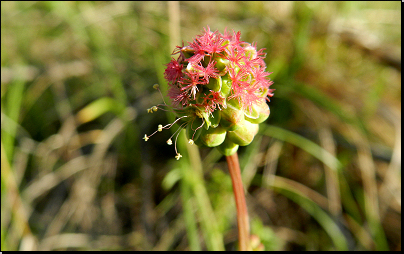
(218, 87)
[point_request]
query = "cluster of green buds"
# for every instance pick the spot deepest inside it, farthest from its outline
(218, 88)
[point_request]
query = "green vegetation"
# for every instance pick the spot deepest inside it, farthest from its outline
(323, 172)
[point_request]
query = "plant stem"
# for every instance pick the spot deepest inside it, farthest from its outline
(241, 205)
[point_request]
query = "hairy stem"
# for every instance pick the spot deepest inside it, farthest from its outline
(241, 205)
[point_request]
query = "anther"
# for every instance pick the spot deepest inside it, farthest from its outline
(154, 108)
(178, 156)
(160, 127)
(156, 86)
(169, 142)
(191, 141)
(145, 137)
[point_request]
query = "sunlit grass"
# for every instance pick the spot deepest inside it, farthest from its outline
(324, 173)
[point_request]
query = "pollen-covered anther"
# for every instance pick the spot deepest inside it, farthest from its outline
(149, 110)
(156, 86)
(154, 108)
(145, 137)
(160, 127)
(191, 141)
(169, 142)
(178, 156)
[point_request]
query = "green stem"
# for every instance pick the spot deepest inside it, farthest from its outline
(241, 205)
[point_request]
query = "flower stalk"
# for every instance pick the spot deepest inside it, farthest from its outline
(241, 205)
(219, 89)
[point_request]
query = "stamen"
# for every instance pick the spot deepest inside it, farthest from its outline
(176, 137)
(203, 122)
(159, 107)
(168, 126)
(157, 87)
(171, 124)
(180, 128)
(178, 156)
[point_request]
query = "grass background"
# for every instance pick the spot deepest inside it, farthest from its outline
(324, 172)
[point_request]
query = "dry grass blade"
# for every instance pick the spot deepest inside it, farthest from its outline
(18, 212)
(77, 78)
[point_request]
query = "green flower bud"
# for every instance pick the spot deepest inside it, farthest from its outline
(214, 118)
(215, 84)
(259, 112)
(187, 51)
(221, 63)
(213, 137)
(226, 85)
(231, 116)
(243, 135)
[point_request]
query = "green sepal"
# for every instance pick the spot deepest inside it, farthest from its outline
(226, 86)
(213, 137)
(192, 128)
(199, 142)
(259, 112)
(207, 121)
(201, 113)
(221, 63)
(215, 84)
(187, 51)
(228, 148)
(231, 117)
(214, 118)
(245, 134)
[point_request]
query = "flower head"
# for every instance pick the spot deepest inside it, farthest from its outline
(220, 84)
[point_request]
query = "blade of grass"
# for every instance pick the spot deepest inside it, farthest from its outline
(98, 108)
(323, 101)
(331, 176)
(189, 217)
(11, 107)
(248, 163)
(325, 221)
(186, 193)
(19, 227)
(213, 237)
(370, 191)
(305, 144)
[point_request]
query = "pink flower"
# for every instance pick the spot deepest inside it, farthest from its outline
(179, 98)
(245, 68)
(173, 72)
(212, 101)
(235, 42)
(235, 56)
(218, 81)
(260, 77)
(244, 90)
(209, 72)
(208, 42)
(191, 82)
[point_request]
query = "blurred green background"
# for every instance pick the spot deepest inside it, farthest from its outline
(324, 173)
